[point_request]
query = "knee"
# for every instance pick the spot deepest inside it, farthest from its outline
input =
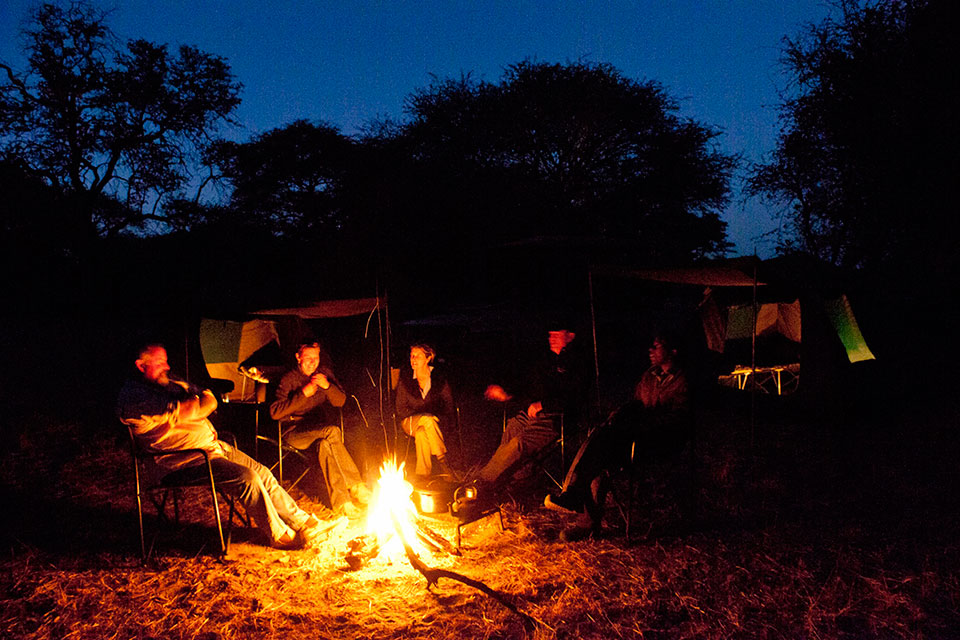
(333, 435)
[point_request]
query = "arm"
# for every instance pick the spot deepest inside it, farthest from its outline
(406, 406)
(198, 406)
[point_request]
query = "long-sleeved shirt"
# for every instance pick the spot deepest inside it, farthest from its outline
(290, 401)
(153, 410)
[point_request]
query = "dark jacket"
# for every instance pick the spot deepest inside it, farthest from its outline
(290, 401)
(439, 400)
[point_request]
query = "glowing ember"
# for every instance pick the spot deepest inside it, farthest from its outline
(392, 504)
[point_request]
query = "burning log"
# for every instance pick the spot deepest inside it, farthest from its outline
(362, 550)
(434, 539)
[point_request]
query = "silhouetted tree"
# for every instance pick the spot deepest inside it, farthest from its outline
(572, 149)
(865, 169)
(105, 122)
(288, 180)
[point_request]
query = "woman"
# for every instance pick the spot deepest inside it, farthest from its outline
(424, 400)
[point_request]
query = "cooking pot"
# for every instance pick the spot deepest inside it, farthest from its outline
(434, 496)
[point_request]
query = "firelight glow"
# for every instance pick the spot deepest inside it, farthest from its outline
(392, 504)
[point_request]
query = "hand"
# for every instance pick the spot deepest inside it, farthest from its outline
(534, 409)
(496, 392)
(320, 380)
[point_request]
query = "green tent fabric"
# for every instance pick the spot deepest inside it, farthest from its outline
(843, 320)
(227, 343)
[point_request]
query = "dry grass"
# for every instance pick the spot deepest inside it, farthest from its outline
(805, 541)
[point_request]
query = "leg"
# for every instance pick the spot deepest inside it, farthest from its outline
(283, 505)
(522, 438)
(429, 442)
(338, 468)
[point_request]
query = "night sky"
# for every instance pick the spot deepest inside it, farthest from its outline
(348, 62)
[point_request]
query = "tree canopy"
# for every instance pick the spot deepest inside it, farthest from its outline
(863, 170)
(573, 149)
(106, 122)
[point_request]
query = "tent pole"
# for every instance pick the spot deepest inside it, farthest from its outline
(593, 327)
(753, 359)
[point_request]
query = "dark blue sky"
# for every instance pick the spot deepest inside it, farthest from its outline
(349, 62)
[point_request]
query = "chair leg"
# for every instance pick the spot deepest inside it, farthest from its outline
(216, 512)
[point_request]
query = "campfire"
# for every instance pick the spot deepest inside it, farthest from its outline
(394, 528)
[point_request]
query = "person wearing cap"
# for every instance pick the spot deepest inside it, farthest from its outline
(556, 385)
(657, 420)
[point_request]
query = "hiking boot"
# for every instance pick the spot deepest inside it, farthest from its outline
(561, 502)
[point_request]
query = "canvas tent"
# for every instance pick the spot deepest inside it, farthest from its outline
(260, 336)
(804, 300)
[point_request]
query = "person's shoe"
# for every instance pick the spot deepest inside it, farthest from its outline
(289, 541)
(350, 510)
(361, 493)
(583, 529)
(447, 470)
(316, 532)
(561, 502)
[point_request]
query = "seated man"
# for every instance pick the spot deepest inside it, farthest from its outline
(303, 395)
(555, 385)
(657, 419)
(171, 415)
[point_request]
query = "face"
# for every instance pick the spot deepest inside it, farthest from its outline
(309, 360)
(659, 354)
(154, 366)
(418, 359)
(559, 340)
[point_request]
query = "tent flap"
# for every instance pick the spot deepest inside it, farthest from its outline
(327, 309)
(841, 315)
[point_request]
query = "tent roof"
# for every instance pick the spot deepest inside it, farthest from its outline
(327, 309)
(737, 272)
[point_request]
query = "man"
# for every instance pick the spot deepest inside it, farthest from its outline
(303, 395)
(657, 420)
(556, 385)
(172, 415)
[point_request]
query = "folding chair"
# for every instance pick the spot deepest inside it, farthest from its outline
(541, 459)
(688, 447)
(161, 491)
(283, 449)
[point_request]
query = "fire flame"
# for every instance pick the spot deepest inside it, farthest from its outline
(391, 507)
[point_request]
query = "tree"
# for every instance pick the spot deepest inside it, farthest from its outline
(572, 149)
(288, 180)
(107, 123)
(863, 169)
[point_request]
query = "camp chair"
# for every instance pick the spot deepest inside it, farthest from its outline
(545, 457)
(167, 486)
(685, 453)
(283, 449)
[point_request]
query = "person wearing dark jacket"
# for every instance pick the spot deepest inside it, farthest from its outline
(657, 420)
(303, 396)
(556, 385)
(424, 403)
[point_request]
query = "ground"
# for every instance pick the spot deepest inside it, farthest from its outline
(796, 527)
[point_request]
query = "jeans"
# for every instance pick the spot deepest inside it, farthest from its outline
(262, 497)
(339, 470)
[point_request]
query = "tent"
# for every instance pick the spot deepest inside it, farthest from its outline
(253, 346)
(747, 300)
